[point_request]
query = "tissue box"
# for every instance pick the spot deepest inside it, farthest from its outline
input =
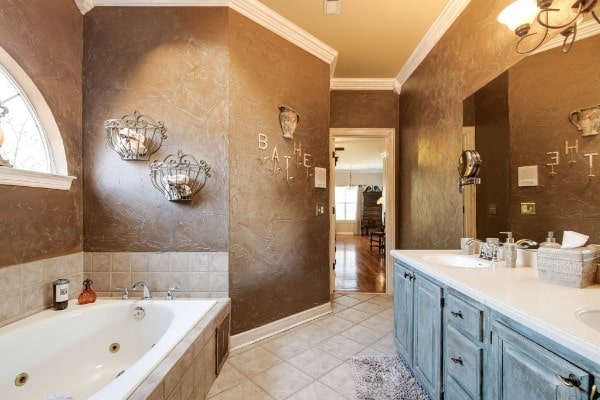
(567, 267)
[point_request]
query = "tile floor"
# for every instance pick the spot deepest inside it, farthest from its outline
(309, 362)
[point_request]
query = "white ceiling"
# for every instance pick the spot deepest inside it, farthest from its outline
(360, 154)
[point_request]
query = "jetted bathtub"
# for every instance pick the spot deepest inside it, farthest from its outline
(99, 351)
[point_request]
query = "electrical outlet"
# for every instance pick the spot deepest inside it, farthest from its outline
(320, 209)
(492, 209)
(527, 208)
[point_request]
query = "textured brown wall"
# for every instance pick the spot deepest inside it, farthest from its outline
(278, 247)
(364, 109)
(543, 90)
(44, 38)
(492, 142)
(473, 51)
(171, 64)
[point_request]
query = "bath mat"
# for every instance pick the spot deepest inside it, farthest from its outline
(384, 378)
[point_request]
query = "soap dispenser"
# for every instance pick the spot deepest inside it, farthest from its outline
(510, 251)
(550, 241)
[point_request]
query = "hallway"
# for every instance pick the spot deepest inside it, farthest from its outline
(358, 267)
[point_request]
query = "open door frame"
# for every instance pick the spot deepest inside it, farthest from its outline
(390, 195)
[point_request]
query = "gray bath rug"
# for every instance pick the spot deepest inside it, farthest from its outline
(384, 378)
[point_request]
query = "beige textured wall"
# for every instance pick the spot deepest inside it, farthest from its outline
(171, 64)
(473, 51)
(44, 38)
(278, 247)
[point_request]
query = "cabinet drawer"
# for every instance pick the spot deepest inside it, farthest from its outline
(464, 362)
(453, 391)
(465, 317)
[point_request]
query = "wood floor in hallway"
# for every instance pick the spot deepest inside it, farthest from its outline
(358, 267)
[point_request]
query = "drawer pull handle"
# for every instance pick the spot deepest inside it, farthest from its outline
(409, 276)
(457, 360)
(456, 314)
(570, 381)
(593, 392)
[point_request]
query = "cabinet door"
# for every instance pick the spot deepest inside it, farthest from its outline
(526, 370)
(427, 354)
(403, 311)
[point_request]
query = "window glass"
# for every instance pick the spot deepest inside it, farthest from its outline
(345, 203)
(25, 144)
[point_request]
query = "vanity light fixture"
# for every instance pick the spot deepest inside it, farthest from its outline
(520, 15)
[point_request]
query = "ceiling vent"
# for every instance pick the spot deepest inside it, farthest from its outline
(332, 7)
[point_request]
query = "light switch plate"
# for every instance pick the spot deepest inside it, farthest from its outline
(527, 208)
(320, 209)
(492, 209)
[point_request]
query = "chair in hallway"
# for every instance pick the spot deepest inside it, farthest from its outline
(377, 239)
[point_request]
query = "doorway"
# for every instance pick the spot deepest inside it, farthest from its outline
(360, 246)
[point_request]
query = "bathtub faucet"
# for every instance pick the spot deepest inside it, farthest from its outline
(144, 285)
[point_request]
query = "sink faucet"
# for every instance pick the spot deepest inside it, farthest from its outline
(144, 285)
(467, 246)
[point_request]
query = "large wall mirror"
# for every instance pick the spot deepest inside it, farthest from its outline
(521, 119)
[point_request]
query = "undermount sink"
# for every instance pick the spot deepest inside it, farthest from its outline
(457, 260)
(590, 317)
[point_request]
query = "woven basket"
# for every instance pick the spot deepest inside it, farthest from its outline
(567, 267)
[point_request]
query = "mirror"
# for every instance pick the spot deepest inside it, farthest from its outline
(521, 119)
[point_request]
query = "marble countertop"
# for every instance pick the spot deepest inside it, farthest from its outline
(517, 292)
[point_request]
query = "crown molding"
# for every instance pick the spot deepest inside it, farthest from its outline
(363, 84)
(584, 30)
(252, 9)
(447, 16)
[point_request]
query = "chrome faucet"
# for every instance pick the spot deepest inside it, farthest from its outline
(144, 285)
(467, 246)
(125, 292)
(170, 292)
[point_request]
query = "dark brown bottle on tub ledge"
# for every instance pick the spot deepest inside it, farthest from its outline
(60, 294)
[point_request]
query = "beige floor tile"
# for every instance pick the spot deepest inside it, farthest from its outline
(228, 378)
(336, 307)
(341, 347)
(340, 379)
(333, 323)
(382, 299)
(346, 301)
(317, 391)
(354, 315)
(315, 362)
(388, 312)
(386, 344)
(371, 351)
(362, 296)
(245, 391)
(371, 308)
(312, 334)
(363, 335)
(282, 381)
(379, 323)
(254, 361)
(286, 346)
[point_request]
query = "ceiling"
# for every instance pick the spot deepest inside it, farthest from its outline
(360, 154)
(374, 38)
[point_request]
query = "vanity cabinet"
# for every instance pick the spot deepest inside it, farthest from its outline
(463, 348)
(418, 326)
(525, 370)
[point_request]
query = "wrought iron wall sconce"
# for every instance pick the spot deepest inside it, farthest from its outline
(179, 177)
(135, 136)
(520, 15)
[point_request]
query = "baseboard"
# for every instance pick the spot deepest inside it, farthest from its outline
(262, 332)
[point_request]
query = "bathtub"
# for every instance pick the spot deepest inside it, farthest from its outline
(99, 351)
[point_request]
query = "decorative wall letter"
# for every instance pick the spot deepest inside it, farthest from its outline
(569, 149)
(590, 162)
(262, 141)
(553, 157)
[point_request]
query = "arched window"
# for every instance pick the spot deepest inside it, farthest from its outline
(32, 151)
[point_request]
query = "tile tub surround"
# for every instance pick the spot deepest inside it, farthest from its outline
(26, 289)
(188, 371)
(197, 274)
(310, 361)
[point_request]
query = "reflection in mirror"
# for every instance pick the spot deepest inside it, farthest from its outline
(521, 119)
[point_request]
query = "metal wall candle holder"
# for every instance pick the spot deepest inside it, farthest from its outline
(135, 136)
(179, 177)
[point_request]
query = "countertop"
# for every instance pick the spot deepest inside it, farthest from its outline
(517, 292)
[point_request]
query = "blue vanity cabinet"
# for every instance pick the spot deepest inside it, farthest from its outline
(463, 348)
(524, 370)
(418, 326)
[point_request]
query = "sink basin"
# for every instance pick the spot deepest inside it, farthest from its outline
(457, 260)
(590, 317)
